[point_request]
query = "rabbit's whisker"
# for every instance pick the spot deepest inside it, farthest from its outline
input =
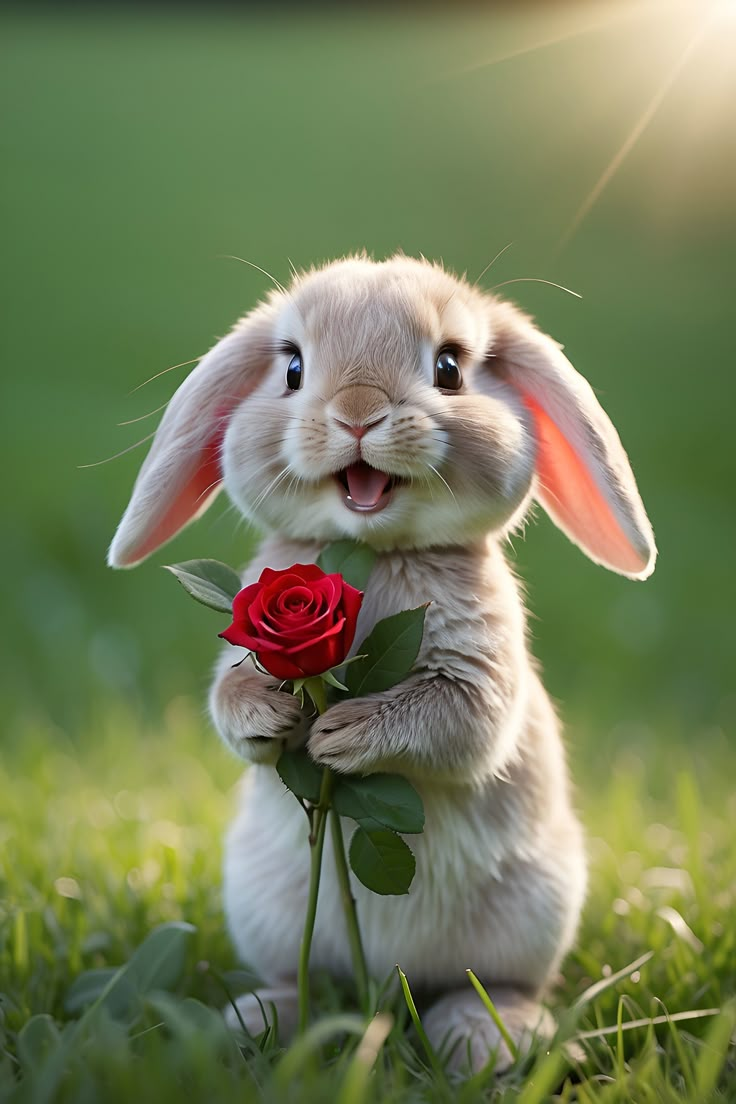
(293, 485)
(251, 264)
(271, 487)
(442, 478)
(203, 494)
(537, 280)
(173, 368)
(491, 263)
(117, 455)
(277, 283)
(142, 417)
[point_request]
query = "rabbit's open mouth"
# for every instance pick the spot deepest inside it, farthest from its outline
(365, 489)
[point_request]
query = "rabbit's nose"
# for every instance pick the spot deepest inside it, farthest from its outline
(359, 431)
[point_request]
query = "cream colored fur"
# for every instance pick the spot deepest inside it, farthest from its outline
(500, 867)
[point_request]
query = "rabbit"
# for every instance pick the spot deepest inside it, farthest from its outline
(396, 404)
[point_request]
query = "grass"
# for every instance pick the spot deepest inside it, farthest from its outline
(116, 831)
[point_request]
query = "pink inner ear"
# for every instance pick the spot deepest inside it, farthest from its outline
(570, 494)
(191, 493)
(200, 486)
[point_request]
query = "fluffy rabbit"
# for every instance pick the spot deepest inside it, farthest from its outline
(398, 405)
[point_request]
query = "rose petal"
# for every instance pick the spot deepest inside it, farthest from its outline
(270, 598)
(289, 636)
(296, 598)
(237, 635)
(316, 658)
(306, 573)
(280, 666)
(352, 600)
(243, 600)
(319, 654)
(298, 621)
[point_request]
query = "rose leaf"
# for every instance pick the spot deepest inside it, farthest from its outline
(300, 774)
(350, 559)
(330, 679)
(379, 801)
(382, 861)
(390, 652)
(210, 582)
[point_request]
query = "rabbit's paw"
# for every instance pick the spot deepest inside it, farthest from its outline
(348, 737)
(256, 720)
(460, 1027)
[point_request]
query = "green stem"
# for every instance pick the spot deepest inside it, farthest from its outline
(316, 845)
(315, 687)
(351, 917)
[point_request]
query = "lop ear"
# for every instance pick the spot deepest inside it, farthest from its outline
(584, 479)
(181, 475)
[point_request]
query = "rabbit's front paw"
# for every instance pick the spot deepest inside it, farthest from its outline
(348, 736)
(256, 720)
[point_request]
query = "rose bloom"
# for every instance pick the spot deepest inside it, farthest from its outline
(298, 622)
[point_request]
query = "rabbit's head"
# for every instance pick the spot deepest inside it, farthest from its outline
(397, 405)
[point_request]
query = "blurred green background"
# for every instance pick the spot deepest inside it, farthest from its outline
(141, 146)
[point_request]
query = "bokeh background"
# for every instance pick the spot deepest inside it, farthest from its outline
(144, 146)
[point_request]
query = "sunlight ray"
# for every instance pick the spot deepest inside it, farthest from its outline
(634, 135)
(636, 11)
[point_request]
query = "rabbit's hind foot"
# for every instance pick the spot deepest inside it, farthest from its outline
(464, 1034)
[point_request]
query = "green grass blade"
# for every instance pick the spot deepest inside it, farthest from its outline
(355, 1083)
(310, 1043)
(429, 1050)
(714, 1054)
(493, 1013)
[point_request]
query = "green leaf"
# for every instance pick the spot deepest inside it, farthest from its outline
(382, 861)
(300, 774)
(159, 961)
(37, 1039)
(350, 559)
(156, 964)
(379, 801)
(210, 582)
(90, 985)
(390, 652)
(191, 1020)
(330, 679)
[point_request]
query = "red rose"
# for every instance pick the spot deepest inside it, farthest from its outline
(299, 622)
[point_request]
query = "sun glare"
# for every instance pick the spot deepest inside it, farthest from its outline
(702, 27)
(704, 36)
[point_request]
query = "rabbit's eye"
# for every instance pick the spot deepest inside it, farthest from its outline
(294, 372)
(447, 373)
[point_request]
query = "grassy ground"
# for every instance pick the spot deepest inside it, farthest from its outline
(101, 845)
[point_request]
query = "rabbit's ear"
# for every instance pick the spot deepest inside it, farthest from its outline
(181, 475)
(584, 479)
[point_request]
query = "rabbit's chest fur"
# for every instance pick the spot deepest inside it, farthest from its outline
(492, 853)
